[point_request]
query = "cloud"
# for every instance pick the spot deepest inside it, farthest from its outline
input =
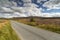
(52, 4)
(38, 1)
(6, 9)
(24, 12)
(30, 10)
(50, 15)
(20, 11)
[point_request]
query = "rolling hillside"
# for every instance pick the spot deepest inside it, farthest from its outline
(51, 24)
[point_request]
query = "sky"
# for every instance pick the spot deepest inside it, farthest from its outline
(46, 5)
(25, 8)
(52, 6)
(49, 6)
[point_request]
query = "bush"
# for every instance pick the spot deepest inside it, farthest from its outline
(32, 23)
(32, 20)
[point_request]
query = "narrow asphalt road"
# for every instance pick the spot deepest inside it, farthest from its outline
(26, 32)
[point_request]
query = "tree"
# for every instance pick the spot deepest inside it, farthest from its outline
(32, 20)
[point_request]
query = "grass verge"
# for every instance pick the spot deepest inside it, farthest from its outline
(7, 33)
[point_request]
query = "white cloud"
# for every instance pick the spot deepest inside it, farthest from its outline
(24, 12)
(21, 11)
(52, 4)
(6, 9)
(38, 1)
(50, 15)
(30, 10)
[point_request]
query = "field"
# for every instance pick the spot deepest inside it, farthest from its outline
(6, 32)
(47, 24)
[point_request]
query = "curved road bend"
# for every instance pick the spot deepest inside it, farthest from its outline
(26, 32)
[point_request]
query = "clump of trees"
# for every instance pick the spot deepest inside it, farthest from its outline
(32, 20)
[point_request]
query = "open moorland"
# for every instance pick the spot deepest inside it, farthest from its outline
(51, 24)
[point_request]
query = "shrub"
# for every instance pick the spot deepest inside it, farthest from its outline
(32, 23)
(32, 20)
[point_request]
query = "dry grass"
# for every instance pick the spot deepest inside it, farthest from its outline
(48, 24)
(6, 32)
(3, 23)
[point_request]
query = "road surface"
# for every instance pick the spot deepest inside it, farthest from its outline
(26, 32)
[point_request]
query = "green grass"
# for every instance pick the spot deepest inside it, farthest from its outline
(7, 33)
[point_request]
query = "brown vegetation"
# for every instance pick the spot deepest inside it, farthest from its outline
(3, 23)
(52, 24)
(6, 32)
